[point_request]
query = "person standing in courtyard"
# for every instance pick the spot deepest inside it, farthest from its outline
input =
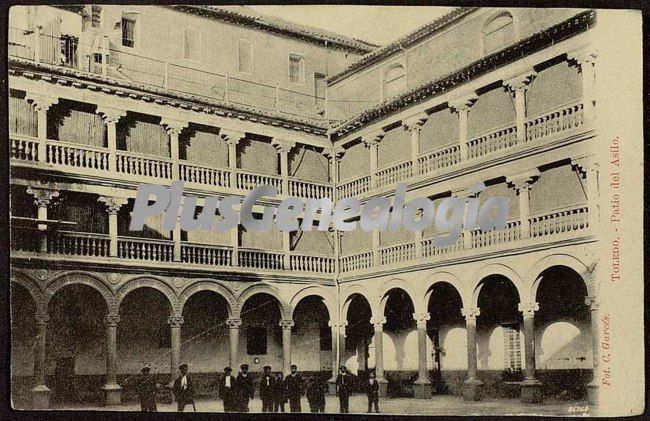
(183, 389)
(316, 394)
(246, 388)
(295, 385)
(372, 391)
(227, 392)
(343, 389)
(267, 386)
(147, 389)
(279, 393)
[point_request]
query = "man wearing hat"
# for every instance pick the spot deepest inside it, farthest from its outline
(267, 386)
(146, 389)
(246, 387)
(295, 385)
(227, 386)
(183, 389)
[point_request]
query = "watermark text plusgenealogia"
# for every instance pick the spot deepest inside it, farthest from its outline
(450, 217)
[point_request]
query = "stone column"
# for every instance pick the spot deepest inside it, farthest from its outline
(517, 87)
(42, 104)
(466, 235)
(522, 183)
(587, 169)
(472, 387)
(531, 388)
(40, 392)
(43, 194)
(175, 323)
(286, 326)
(113, 205)
(234, 242)
(461, 106)
(112, 390)
(593, 388)
(414, 126)
(372, 143)
(422, 386)
(586, 60)
(232, 138)
(284, 147)
(174, 129)
(233, 336)
(111, 116)
(338, 352)
(378, 323)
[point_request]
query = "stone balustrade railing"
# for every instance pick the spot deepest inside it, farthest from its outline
(75, 155)
(23, 148)
(439, 158)
(309, 189)
(429, 249)
(492, 141)
(396, 253)
(206, 254)
(204, 175)
(311, 263)
(356, 261)
(141, 165)
(247, 180)
(559, 221)
(145, 249)
(353, 187)
(79, 244)
(260, 259)
(558, 119)
(512, 232)
(393, 174)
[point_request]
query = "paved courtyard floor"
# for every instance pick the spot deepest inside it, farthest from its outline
(438, 405)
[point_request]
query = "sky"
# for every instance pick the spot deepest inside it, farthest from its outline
(376, 24)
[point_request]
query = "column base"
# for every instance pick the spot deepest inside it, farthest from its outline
(383, 387)
(531, 391)
(331, 387)
(472, 390)
(112, 394)
(593, 393)
(422, 389)
(41, 397)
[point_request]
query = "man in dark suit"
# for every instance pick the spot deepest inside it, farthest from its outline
(267, 386)
(316, 394)
(246, 387)
(227, 392)
(279, 393)
(343, 389)
(147, 389)
(294, 384)
(183, 389)
(372, 391)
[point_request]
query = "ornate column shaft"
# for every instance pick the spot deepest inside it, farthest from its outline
(284, 147)
(471, 386)
(43, 195)
(422, 386)
(518, 86)
(286, 345)
(233, 337)
(338, 352)
(42, 104)
(461, 106)
(175, 323)
(232, 138)
(372, 143)
(111, 116)
(378, 324)
(522, 183)
(586, 60)
(113, 205)
(234, 243)
(414, 126)
(41, 393)
(174, 129)
(111, 388)
(531, 391)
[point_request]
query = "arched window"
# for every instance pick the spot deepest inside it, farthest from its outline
(498, 33)
(394, 81)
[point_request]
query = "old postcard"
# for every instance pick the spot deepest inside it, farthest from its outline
(326, 208)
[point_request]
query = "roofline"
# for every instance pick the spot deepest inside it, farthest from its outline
(398, 45)
(352, 44)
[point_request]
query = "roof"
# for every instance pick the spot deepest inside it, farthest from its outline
(246, 16)
(405, 41)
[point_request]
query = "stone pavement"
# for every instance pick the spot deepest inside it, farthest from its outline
(438, 405)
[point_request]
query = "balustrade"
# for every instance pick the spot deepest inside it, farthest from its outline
(204, 254)
(77, 155)
(201, 174)
(356, 262)
(397, 253)
(145, 249)
(353, 187)
(309, 190)
(312, 263)
(24, 148)
(492, 141)
(430, 250)
(79, 244)
(559, 221)
(439, 158)
(250, 180)
(394, 174)
(144, 165)
(562, 118)
(260, 259)
(512, 232)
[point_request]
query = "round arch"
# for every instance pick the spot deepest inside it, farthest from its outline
(82, 278)
(208, 285)
(313, 291)
(584, 272)
(148, 282)
(397, 283)
(285, 308)
(440, 277)
(384, 299)
(349, 293)
(32, 288)
(496, 269)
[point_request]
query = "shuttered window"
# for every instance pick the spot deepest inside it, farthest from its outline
(128, 32)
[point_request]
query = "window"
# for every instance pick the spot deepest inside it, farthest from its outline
(394, 81)
(96, 16)
(296, 68)
(244, 56)
(69, 50)
(128, 32)
(498, 33)
(256, 337)
(192, 44)
(512, 339)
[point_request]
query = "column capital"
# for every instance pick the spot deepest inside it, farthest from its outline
(421, 318)
(232, 137)
(415, 122)
(110, 114)
(335, 325)
(113, 204)
(528, 309)
(592, 302)
(470, 313)
(43, 193)
(520, 81)
(523, 180)
(175, 321)
(583, 165)
(334, 153)
(173, 127)
(41, 102)
(373, 138)
(463, 102)
(582, 55)
(286, 324)
(112, 320)
(282, 145)
(378, 322)
(234, 323)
